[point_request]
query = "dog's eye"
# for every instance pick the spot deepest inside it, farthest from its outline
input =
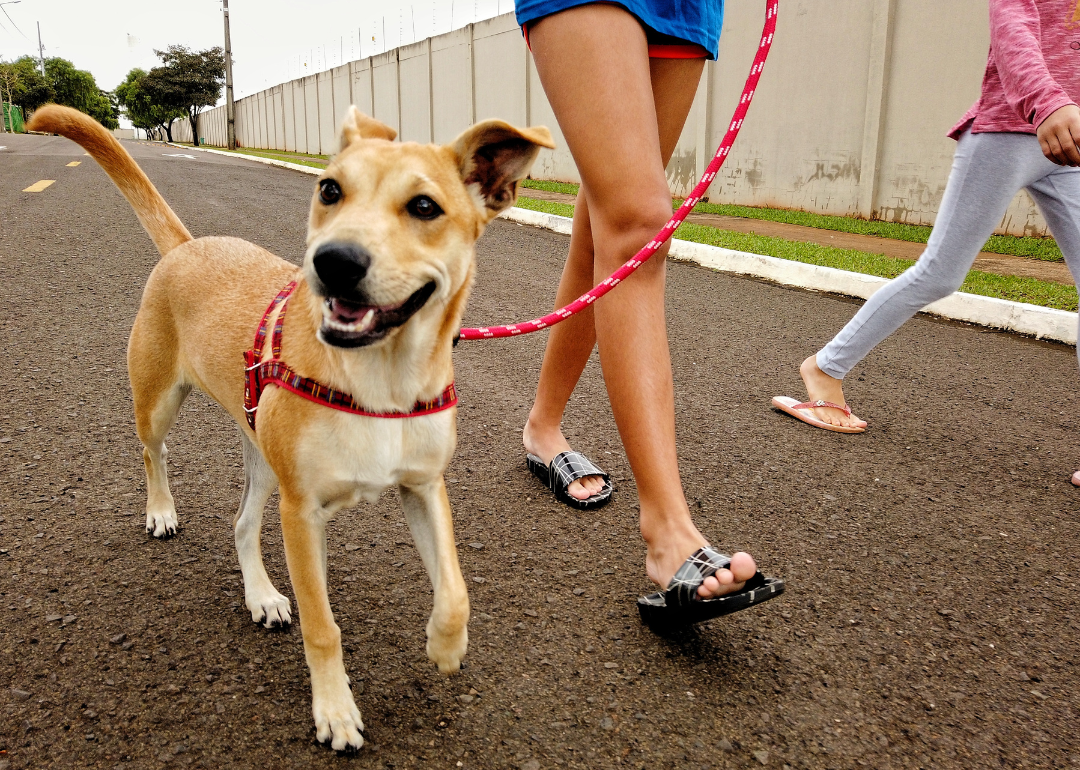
(329, 192)
(423, 207)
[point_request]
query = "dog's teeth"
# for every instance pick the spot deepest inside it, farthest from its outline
(354, 328)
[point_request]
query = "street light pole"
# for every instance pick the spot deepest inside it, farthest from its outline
(41, 50)
(230, 109)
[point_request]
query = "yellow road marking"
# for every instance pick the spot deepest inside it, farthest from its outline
(75, 163)
(39, 186)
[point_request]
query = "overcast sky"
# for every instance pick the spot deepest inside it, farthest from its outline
(272, 40)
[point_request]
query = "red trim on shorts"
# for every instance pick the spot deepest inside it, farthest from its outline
(656, 51)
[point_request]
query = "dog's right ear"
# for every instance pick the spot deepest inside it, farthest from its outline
(357, 126)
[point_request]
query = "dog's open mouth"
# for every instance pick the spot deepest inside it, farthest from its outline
(351, 324)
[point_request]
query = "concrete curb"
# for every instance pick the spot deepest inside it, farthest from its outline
(256, 158)
(1039, 322)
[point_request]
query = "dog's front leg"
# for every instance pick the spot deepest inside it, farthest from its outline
(427, 509)
(337, 718)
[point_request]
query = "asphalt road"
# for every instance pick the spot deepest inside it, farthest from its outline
(931, 613)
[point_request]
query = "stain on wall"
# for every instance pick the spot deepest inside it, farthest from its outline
(824, 184)
(682, 173)
(908, 197)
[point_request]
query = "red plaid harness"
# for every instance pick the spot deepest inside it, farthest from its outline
(274, 371)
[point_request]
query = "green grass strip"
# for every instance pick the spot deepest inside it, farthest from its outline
(1033, 248)
(289, 157)
(560, 187)
(547, 207)
(1017, 289)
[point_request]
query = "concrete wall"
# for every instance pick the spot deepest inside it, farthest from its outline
(849, 118)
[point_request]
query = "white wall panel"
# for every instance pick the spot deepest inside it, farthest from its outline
(451, 83)
(327, 125)
(384, 71)
(413, 75)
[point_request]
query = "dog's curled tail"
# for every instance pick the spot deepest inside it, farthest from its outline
(159, 221)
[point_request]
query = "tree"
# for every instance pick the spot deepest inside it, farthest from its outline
(188, 81)
(8, 79)
(142, 104)
(28, 87)
(77, 88)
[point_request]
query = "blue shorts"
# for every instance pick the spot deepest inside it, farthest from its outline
(668, 23)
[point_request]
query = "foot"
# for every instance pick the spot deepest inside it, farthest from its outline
(822, 387)
(545, 445)
(337, 720)
(665, 558)
(1075, 479)
(161, 523)
(268, 608)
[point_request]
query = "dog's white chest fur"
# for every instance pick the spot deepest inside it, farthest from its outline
(360, 457)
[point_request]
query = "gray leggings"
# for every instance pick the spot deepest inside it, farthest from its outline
(987, 171)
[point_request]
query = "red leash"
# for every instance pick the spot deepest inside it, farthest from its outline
(650, 248)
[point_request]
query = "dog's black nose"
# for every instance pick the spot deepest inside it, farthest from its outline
(341, 266)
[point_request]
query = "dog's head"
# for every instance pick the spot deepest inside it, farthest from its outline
(393, 226)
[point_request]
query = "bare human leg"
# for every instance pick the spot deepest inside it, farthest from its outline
(569, 346)
(621, 115)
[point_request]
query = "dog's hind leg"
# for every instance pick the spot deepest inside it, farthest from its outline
(427, 509)
(157, 405)
(158, 389)
(267, 606)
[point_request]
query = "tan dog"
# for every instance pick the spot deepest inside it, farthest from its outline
(388, 268)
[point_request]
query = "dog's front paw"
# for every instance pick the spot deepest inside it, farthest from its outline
(446, 650)
(161, 523)
(271, 610)
(337, 721)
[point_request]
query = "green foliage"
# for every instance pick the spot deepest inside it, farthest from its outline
(187, 81)
(141, 104)
(77, 88)
(29, 88)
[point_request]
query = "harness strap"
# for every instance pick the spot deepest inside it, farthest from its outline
(274, 371)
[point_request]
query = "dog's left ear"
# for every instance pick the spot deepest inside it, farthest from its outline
(357, 126)
(493, 157)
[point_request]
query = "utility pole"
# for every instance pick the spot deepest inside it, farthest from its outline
(230, 109)
(41, 50)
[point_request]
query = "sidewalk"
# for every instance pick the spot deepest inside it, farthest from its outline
(987, 262)
(1000, 264)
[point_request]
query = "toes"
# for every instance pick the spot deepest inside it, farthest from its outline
(726, 581)
(346, 734)
(743, 567)
(160, 526)
(586, 487)
(343, 732)
(271, 612)
(577, 489)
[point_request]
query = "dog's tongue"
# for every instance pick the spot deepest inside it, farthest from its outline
(347, 312)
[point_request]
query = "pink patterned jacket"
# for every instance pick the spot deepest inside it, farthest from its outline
(1033, 67)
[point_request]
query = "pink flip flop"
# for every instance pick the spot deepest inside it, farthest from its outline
(801, 411)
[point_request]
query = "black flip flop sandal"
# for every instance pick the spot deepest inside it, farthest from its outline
(680, 605)
(566, 468)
